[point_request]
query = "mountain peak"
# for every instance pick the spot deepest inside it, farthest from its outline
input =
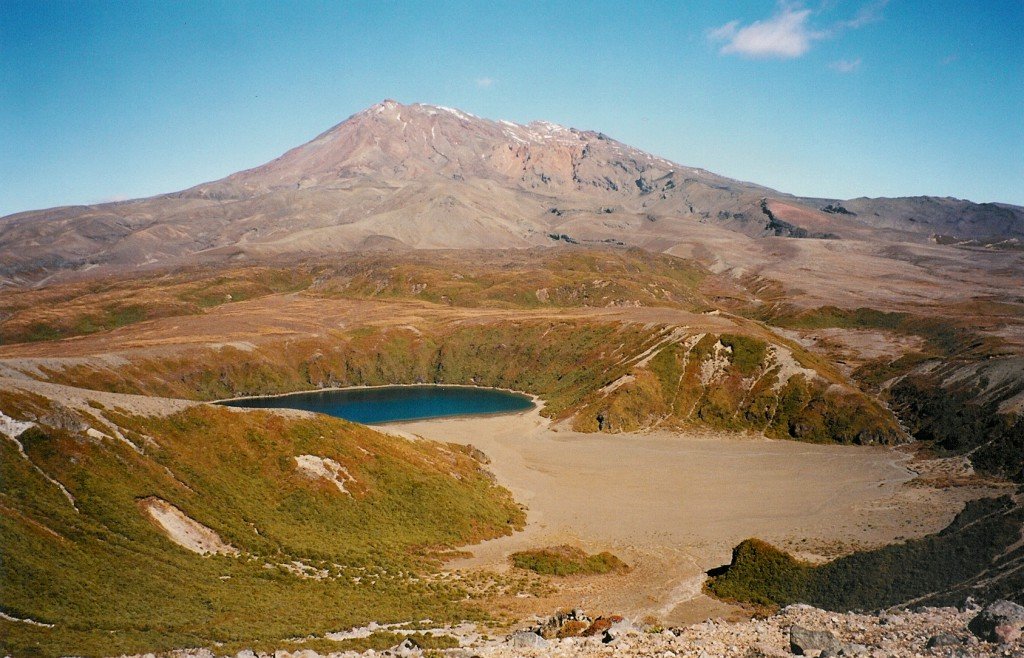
(430, 176)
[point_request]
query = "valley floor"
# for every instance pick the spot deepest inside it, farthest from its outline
(673, 505)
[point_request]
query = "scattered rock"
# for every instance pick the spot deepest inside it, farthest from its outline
(527, 640)
(804, 640)
(1001, 621)
(890, 634)
(563, 624)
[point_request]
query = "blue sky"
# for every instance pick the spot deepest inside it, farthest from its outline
(833, 98)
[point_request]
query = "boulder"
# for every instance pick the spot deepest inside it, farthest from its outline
(527, 640)
(1000, 621)
(943, 640)
(802, 641)
(620, 628)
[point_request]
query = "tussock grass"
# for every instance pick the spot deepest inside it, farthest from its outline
(111, 582)
(79, 308)
(567, 561)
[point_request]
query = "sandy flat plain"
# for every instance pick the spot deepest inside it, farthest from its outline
(674, 504)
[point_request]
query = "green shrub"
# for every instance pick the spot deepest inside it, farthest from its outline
(567, 561)
(939, 569)
(748, 354)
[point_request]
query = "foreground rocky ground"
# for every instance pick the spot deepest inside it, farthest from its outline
(968, 632)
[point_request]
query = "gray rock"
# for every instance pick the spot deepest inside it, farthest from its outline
(803, 640)
(1001, 621)
(618, 630)
(527, 640)
(404, 649)
(943, 640)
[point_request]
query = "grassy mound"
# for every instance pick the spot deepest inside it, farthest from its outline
(567, 561)
(974, 555)
(312, 558)
(762, 575)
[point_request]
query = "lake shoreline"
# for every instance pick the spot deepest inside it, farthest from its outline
(535, 403)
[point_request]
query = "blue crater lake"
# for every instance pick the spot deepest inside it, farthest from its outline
(385, 404)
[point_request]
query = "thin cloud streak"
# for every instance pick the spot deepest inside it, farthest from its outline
(845, 65)
(788, 34)
(869, 13)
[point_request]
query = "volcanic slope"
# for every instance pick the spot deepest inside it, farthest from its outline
(418, 176)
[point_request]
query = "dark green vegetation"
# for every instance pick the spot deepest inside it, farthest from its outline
(110, 581)
(949, 393)
(978, 554)
(567, 561)
(961, 416)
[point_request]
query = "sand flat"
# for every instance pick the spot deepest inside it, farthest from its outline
(674, 504)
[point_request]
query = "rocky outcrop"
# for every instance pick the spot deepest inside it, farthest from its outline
(1000, 621)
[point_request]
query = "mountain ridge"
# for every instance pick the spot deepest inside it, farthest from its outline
(425, 176)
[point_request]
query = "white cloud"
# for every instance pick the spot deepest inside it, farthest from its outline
(788, 34)
(485, 82)
(785, 35)
(845, 65)
(114, 198)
